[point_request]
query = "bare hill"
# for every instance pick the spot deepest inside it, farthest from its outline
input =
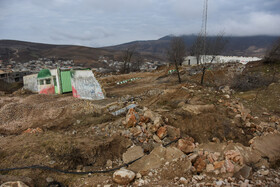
(239, 46)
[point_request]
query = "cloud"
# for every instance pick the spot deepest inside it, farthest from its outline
(111, 22)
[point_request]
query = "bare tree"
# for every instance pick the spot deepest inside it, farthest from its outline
(176, 53)
(213, 48)
(127, 56)
(272, 58)
(197, 48)
(273, 54)
(138, 61)
(216, 46)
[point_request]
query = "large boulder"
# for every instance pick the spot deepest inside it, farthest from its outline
(14, 184)
(123, 176)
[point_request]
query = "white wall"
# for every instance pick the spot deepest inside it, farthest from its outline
(191, 60)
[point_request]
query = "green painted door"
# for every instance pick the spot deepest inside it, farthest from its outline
(66, 81)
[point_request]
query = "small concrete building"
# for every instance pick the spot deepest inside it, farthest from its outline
(81, 83)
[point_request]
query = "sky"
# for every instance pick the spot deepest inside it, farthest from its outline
(98, 23)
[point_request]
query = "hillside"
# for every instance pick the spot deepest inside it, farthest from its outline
(237, 46)
(21, 51)
(25, 51)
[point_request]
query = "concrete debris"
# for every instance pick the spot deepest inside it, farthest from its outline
(132, 118)
(123, 110)
(32, 131)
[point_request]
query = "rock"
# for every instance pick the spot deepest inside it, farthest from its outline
(173, 132)
(192, 157)
(183, 181)
(158, 121)
(131, 118)
(218, 165)
(138, 176)
(135, 131)
(264, 172)
(198, 177)
(200, 164)
(162, 132)
(152, 128)
(209, 168)
(123, 176)
(49, 179)
(132, 153)
(109, 164)
(244, 172)
(8, 178)
(234, 155)
(268, 146)
(14, 184)
(186, 145)
(151, 115)
(173, 153)
(227, 96)
(198, 109)
(157, 139)
(229, 166)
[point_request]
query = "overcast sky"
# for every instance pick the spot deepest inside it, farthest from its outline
(109, 22)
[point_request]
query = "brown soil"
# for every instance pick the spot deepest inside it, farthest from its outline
(79, 133)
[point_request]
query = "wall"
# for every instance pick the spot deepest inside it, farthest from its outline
(54, 72)
(220, 59)
(30, 82)
(85, 85)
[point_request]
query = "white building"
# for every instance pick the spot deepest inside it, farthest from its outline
(191, 60)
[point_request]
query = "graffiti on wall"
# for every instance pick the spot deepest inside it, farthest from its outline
(85, 85)
(47, 90)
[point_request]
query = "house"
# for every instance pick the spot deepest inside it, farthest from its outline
(81, 83)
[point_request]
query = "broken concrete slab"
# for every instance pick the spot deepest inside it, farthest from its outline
(132, 153)
(198, 109)
(268, 146)
(123, 110)
(156, 159)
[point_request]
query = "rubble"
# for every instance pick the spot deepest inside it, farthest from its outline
(182, 135)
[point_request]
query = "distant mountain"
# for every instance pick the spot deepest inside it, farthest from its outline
(239, 46)
(21, 51)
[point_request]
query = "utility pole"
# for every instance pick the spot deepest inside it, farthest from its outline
(204, 27)
(204, 33)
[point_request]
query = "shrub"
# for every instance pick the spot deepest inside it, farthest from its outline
(249, 82)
